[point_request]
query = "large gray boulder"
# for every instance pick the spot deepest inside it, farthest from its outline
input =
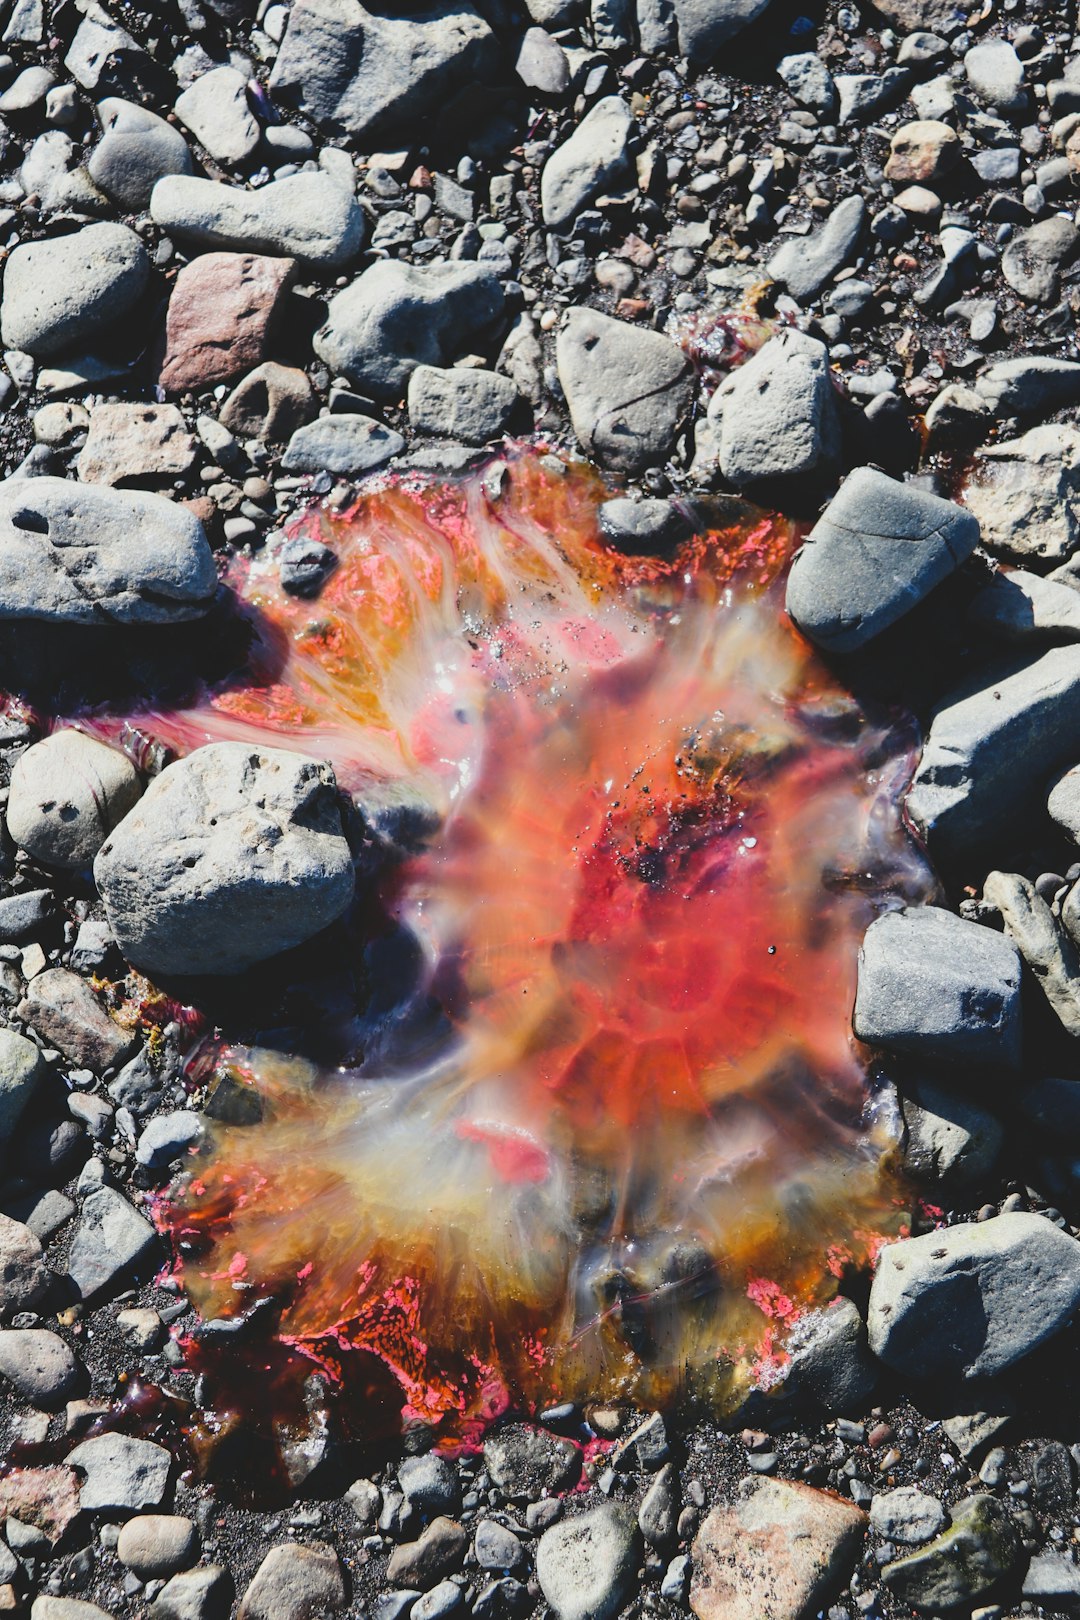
(136, 149)
(596, 158)
(992, 750)
(706, 25)
(232, 855)
(311, 217)
(356, 70)
(971, 1300)
(397, 316)
(71, 289)
(89, 554)
(965, 1565)
(777, 413)
(878, 549)
(627, 389)
(936, 987)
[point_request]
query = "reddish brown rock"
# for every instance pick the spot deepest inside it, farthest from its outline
(47, 1498)
(220, 318)
(778, 1553)
(922, 152)
(270, 403)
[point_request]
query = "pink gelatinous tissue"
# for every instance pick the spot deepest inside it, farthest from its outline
(638, 1143)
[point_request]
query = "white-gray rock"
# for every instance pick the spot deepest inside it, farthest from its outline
(342, 444)
(156, 1544)
(1019, 606)
(24, 1279)
(777, 413)
(803, 264)
(136, 149)
(21, 1069)
(195, 1594)
(947, 1138)
(167, 1136)
(596, 158)
(1026, 494)
(122, 1473)
(231, 856)
(808, 80)
(1063, 802)
(467, 404)
(1031, 262)
(831, 1367)
(906, 1514)
(215, 109)
(71, 289)
(294, 1583)
(627, 389)
(38, 1365)
(112, 1241)
(67, 794)
(306, 216)
(1029, 385)
(996, 74)
(585, 1565)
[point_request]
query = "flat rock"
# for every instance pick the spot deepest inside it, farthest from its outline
(167, 1136)
(215, 109)
(21, 1070)
(965, 1565)
(136, 443)
(222, 312)
(1063, 802)
(1025, 493)
(996, 74)
(156, 1544)
(878, 549)
(781, 1550)
(112, 1241)
(907, 1515)
(136, 149)
(304, 216)
(71, 289)
(777, 413)
(467, 404)
(38, 1365)
(595, 159)
(343, 444)
(522, 1459)
(62, 1006)
(804, 264)
(270, 403)
(295, 1583)
(1029, 385)
(121, 1473)
(808, 80)
(231, 856)
(1053, 1579)
(195, 1594)
(354, 70)
(541, 63)
(88, 554)
(586, 1565)
(397, 316)
(1031, 262)
(1019, 606)
(971, 1300)
(627, 389)
(937, 987)
(67, 794)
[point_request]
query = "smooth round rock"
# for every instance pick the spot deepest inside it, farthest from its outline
(67, 794)
(158, 1544)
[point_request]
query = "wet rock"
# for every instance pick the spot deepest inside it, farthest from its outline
(167, 1137)
(934, 986)
(922, 153)
(831, 1366)
(122, 1474)
(878, 549)
(344, 445)
(907, 1515)
(304, 566)
(467, 404)
(585, 1565)
(947, 1138)
(436, 1553)
(156, 1544)
(777, 413)
(964, 1565)
(642, 526)
(136, 149)
(21, 1070)
(136, 442)
(1032, 385)
(222, 312)
(804, 264)
(232, 855)
(71, 289)
(63, 1007)
(84, 554)
(971, 1300)
(1032, 261)
(38, 1365)
(269, 404)
(305, 216)
(397, 316)
(595, 159)
(1051, 955)
(430, 1485)
(1026, 494)
(67, 794)
(522, 1460)
(112, 1242)
(627, 389)
(215, 109)
(990, 750)
(295, 1583)
(196, 1594)
(782, 1549)
(357, 70)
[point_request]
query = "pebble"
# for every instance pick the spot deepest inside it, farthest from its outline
(156, 1544)
(496, 1547)
(294, 1583)
(136, 443)
(1032, 260)
(269, 404)
(195, 1594)
(430, 1485)
(67, 794)
(804, 264)
(1025, 493)
(642, 525)
(38, 1365)
(966, 1563)
(922, 152)
(522, 1460)
(437, 1552)
(304, 216)
(167, 1137)
(62, 1006)
(948, 1138)
(907, 1515)
(122, 1474)
(585, 1565)
(777, 414)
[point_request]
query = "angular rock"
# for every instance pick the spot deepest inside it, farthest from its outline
(215, 109)
(195, 1594)
(642, 526)
(38, 1365)
(467, 404)
(25, 915)
(437, 1552)
(781, 1549)
(111, 1242)
(922, 152)
(344, 445)
(306, 216)
(295, 1583)
(21, 1070)
(947, 1138)
(879, 548)
(704, 26)
(102, 55)
(1026, 494)
(1020, 607)
(804, 264)
(156, 1544)
(627, 389)
(67, 794)
(270, 403)
(522, 1460)
(1032, 261)
(135, 442)
(971, 1300)
(71, 289)
(809, 81)
(430, 1484)
(990, 751)
(136, 149)
(1029, 385)
(45, 1498)
(63, 1007)
(24, 1279)
(831, 1367)
(168, 1136)
(232, 855)
(1049, 952)
(87, 554)
(121, 1473)
(595, 159)
(356, 70)
(658, 1515)
(1054, 1580)
(222, 311)
(585, 1565)
(397, 316)
(964, 1566)
(906, 1515)
(777, 413)
(934, 986)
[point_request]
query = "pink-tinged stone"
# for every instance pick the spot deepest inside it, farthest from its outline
(778, 1553)
(221, 316)
(134, 442)
(47, 1498)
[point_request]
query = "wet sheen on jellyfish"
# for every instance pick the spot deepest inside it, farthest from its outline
(615, 1134)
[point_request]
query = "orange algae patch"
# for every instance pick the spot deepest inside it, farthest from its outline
(635, 1145)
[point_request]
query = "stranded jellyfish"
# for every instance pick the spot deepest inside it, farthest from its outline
(611, 1134)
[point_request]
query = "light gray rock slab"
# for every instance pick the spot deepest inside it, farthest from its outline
(38, 1365)
(306, 216)
(627, 389)
(346, 445)
(777, 412)
(466, 403)
(594, 159)
(907, 1515)
(1029, 385)
(70, 289)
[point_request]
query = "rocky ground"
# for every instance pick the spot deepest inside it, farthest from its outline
(253, 252)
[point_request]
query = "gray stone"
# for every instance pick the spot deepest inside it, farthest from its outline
(215, 109)
(295, 1583)
(586, 1565)
(24, 1280)
(63, 1007)
(196, 1594)
(627, 389)
(21, 1070)
(596, 158)
(233, 855)
(1051, 955)
(167, 1137)
(1026, 494)
(344, 445)
(777, 413)
(706, 25)
(357, 70)
(970, 1432)
(51, 171)
(957, 416)
(968, 1562)
(421, 1564)
(38, 1365)
(996, 74)
(971, 1300)
(947, 1138)
(430, 1484)
(156, 1544)
(541, 63)
(990, 751)
(1019, 607)
(23, 916)
(878, 550)
(136, 149)
(645, 525)
(121, 1473)
(1063, 802)
(658, 1515)
(1032, 260)
(89, 554)
(45, 1607)
(496, 1547)
(863, 95)
(71, 289)
(112, 1241)
(1052, 1579)
(907, 1515)
(522, 1460)
(804, 264)
(397, 316)
(67, 794)
(270, 403)
(102, 53)
(1030, 385)
(936, 987)
(306, 216)
(468, 404)
(831, 1366)
(809, 81)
